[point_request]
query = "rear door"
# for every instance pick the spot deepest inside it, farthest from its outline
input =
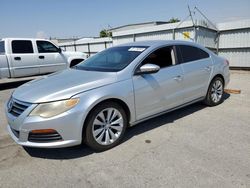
(197, 67)
(155, 93)
(50, 60)
(23, 60)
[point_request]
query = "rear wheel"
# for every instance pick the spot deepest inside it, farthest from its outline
(215, 92)
(105, 126)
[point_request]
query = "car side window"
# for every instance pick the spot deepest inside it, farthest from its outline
(46, 47)
(187, 53)
(22, 47)
(162, 57)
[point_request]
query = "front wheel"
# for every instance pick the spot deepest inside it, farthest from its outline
(105, 126)
(215, 92)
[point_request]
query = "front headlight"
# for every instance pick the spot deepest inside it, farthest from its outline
(47, 110)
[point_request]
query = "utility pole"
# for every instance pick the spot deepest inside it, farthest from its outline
(211, 23)
(194, 26)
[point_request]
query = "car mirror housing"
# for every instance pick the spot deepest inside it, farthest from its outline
(148, 69)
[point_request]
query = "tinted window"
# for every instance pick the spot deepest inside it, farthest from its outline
(161, 57)
(203, 54)
(112, 60)
(2, 49)
(46, 47)
(22, 47)
(190, 53)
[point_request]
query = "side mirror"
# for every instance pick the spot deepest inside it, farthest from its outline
(59, 50)
(148, 69)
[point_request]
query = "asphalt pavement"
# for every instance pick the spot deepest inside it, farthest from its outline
(196, 146)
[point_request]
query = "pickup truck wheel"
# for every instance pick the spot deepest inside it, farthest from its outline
(215, 92)
(75, 62)
(105, 126)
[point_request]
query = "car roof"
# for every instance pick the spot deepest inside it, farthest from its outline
(155, 43)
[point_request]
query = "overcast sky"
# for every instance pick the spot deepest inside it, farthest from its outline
(82, 18)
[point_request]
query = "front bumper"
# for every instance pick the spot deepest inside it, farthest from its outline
(59, 144)
(68, 125)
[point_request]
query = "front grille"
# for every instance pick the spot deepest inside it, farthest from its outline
(15, 132)
(44, 137)
(16, 108)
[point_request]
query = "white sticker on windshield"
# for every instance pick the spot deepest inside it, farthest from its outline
(136, 49)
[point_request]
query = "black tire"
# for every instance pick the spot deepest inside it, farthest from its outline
(88, 133)
(209, 98)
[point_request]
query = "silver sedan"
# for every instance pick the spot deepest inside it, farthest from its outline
(95, 101)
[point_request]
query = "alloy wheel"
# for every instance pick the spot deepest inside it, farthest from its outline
(217, 91)
(107, 126)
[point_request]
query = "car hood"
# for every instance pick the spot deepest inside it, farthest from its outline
(62, 85)
(74, 54)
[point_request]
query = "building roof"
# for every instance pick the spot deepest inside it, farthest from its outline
(136, 25)
(232, 25)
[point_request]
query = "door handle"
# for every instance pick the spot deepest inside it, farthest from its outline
(17, 58)
(41, 57)
(178, 78)
(207, 68)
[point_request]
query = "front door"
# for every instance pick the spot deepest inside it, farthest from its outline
(50, 60)
(155, 93)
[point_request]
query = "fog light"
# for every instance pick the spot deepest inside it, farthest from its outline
(43, 131)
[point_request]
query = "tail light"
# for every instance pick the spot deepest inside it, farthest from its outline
(227, 62)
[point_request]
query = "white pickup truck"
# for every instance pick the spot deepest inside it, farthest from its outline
(20, 57)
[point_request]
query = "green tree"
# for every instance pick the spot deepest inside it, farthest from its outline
(105, 33)
(174, 20)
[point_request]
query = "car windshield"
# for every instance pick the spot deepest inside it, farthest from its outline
(111, 60)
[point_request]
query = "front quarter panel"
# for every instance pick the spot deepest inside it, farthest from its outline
(74, 55)
(122, 90)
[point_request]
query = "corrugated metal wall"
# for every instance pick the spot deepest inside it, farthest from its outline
(90, 46)
(206, 37)
(123, 39)
(159, 35)
(234, 42)
(237, 57)
(233, 38)
(185, 34)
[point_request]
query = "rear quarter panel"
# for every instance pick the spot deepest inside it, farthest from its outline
(220, 67)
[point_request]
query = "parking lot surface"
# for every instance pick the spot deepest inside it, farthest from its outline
(196, 146)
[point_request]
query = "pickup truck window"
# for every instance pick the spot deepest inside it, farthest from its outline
(22, 47)
(2, 49)
(46, 47)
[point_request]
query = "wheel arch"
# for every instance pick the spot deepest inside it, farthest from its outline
(220, 76)
(116, 100)
(207, 99)
(216, 75)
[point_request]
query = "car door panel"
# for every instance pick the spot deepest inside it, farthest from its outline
(196, 75)
(23, 59)
(50, 60)
(157, 92)
(197, 67)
